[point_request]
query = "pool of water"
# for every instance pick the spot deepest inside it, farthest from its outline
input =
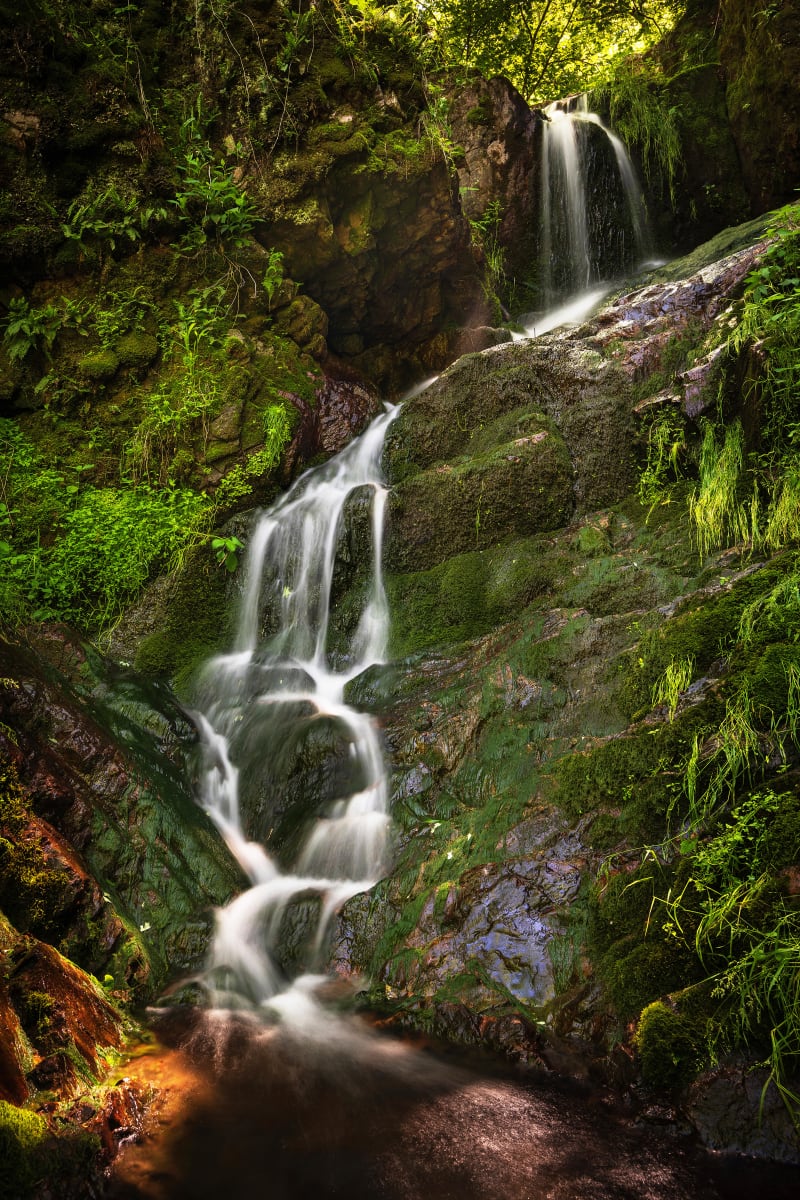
(276, 1115)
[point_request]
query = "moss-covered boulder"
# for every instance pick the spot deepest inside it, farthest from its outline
(518, 480)
(100, 365)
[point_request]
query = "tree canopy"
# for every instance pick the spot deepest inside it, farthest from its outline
(547, 48)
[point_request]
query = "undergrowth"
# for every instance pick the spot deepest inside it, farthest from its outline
(747, 489)
(73, 551)
(644, 119)
(715, 891)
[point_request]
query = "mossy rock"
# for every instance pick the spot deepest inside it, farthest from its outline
(195, 616)
(101, 365)
(587, 398)
(518, 487)
(23, 1136)
(136, 350)
(637, 974)
(303, 321)
(30, 1154)
(669, 1045)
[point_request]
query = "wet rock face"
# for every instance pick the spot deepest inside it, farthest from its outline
(56, 1023)
(345, 403)
(543, 427)
(495, 923)
(511, 441)
(113, 861)
(499, 135)
(760, 56)
(520, 484)
(721, 1103)
(388, 257)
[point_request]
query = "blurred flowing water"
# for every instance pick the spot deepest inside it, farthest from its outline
(279, 679)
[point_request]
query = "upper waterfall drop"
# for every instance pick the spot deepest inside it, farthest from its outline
(592, 214)
(279, 688)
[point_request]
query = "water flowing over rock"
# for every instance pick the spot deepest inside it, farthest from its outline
(266, 704)
(592, 218)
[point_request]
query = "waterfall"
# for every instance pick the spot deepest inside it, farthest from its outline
(593, 220)
(260, 702)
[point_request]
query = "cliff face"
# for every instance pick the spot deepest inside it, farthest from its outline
(759, 48)
(712, 115)
(254, 121)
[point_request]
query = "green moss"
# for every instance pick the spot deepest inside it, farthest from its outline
(605, 774)
(768, 676)
(704, 630)
(30, 1155)
(592, 540)
(669, 1045)
(636, 974)
(35, 895)
(512, 488)
(136, 350)
(481, 113)
(23, 1157)
(619, 908)
(102, 364)
(195, 625)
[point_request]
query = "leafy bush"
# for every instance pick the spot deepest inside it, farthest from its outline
(29, 328)
(209, 200)
(110, 544)
(103, 220)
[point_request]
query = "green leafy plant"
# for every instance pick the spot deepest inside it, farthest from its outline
(186, 400)
(105, 219)
(29, 329)
(277, 435)
(226, 550)
(75, 552)
(673, 683)
(486, 234)
(273, 274)
(115, 314)
(716, 510)
(209, 201)
(666, 454)
(643, 118)
(298, 33)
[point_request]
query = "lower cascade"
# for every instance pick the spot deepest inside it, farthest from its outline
(264, 696)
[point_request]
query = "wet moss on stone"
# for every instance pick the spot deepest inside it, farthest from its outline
(670, 1046)
(193, 625)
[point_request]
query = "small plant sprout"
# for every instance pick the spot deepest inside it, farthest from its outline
(226, 550)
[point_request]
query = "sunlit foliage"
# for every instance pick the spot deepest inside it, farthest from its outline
(551, 47)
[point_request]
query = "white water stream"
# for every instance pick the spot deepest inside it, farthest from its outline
(255, 699)
(574, 252)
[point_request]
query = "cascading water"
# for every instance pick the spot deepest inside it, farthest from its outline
(266, 695)
(592, 214)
